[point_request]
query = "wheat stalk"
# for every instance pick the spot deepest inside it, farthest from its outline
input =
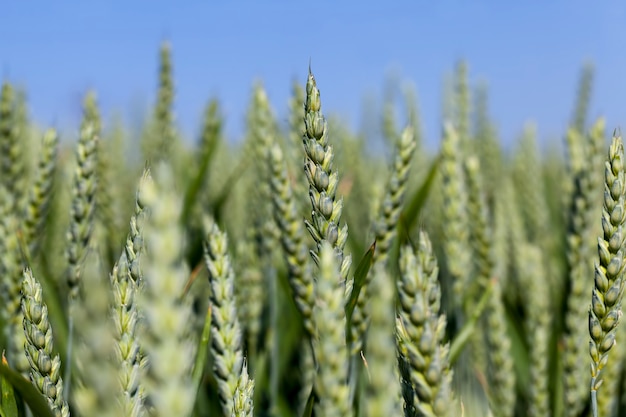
(580, 250)
(454, 214)
(166, 339)
(323, 181)
(158, 142)
(97, 373)
(383, 392)
(83, 194)
(421, 332)
(11, 270)
(45, 369)
(12, 166)
(126, 280)
(243, 405)
(385, 228)
(36, 209)
(606, 300)
(331, 353)
(226, 336)
(500, 365)
(538, 325)
(292, 237)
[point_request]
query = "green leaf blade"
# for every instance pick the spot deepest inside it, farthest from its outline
(33, 398)
(360, 276)
(9, 402)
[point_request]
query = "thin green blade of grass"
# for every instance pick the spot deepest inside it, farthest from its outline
(411, 213)
(359, 279)
(308, 410)
(35, 401)
(9, 405)
(197, 182)
(8, 401)
(416, 202)
(466, 332)
(203, 346)
(199, 179)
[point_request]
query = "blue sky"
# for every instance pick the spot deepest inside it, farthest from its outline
(530, 54)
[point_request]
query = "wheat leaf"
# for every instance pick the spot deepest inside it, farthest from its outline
(35, 401)
(359, 279)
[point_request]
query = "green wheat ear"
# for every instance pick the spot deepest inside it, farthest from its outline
(36, 210)
(488, 146)
(462, 104)
(126, 283)
(226, 334)
(331, 353)
(94, 345)
(11, 271)
(383, 393)
(454, 215)
(158, 142)
(583, 98)
(83, 194)
(606, 299)
(12, 168)
(583, 230)
(243, 404)
(166, 340)
(323, 180)
(385, 228)
(45, 367)
(424, 356)
(538, 326)
(292, 238)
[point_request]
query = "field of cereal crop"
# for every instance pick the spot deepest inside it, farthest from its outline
(297, 273)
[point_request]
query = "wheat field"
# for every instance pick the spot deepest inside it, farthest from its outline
(300, 273)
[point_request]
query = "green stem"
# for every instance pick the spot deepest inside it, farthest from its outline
(464, 335)
(594, 399)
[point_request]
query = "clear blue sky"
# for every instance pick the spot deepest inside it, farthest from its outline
(530, 53)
